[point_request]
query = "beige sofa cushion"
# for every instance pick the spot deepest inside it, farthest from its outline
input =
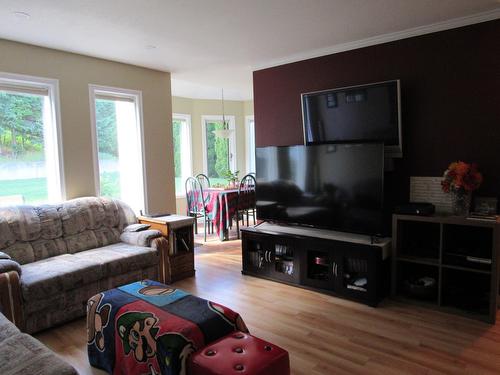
(23, 221)
(21, 252)
(6, 236)
(7, 329)
(121, 258)
(58, 274)
(22, 354)
(43, 249)
(50, 221)
(81, 214)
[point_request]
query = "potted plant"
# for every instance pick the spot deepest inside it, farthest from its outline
(460, 180)
(232, 177)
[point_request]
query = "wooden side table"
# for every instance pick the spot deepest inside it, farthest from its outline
(178, 262)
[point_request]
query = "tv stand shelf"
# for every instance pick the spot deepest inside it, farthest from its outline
(458, 258)
(343, 264)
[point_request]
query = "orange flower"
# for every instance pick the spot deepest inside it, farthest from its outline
(461, 176)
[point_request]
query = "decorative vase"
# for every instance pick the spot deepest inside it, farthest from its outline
(460, 202)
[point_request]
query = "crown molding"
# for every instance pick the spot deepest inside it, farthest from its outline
(384, 38)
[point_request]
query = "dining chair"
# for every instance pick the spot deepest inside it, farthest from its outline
(246, 201)
(204, 180)
(197, 205)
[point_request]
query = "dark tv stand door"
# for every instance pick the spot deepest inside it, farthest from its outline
(336, 263)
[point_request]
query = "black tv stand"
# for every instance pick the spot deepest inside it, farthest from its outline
(342, 264)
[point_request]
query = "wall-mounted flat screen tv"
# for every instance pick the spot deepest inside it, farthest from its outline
(355, 114)
(335, 186)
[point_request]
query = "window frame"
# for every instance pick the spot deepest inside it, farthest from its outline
(136, 96)
(231, 120)
(52, 87)
(187, 118)
(248, 120)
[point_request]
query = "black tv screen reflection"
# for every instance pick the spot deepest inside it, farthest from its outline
(337, 186)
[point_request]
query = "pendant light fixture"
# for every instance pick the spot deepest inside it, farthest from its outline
(225, 132)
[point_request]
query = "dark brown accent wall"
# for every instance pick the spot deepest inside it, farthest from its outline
(450, 88)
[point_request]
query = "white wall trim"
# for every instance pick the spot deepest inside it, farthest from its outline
(136, 95)
(248, 119)
(187, 118)
(231, 119)
(52, 85)
(384, 38)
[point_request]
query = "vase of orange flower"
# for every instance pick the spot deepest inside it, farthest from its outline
(460, 180)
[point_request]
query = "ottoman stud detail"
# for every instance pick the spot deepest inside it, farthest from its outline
(210, 353)
(238, 350)
(239, 367)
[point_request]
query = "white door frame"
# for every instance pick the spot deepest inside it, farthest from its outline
(231, 120)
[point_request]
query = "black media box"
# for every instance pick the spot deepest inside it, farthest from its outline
(414, 208)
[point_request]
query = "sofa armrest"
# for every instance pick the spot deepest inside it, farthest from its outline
(7, 265)
(10, 298)
(4, 256)
(142, 238)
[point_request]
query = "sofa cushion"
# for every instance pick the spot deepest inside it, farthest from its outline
(57, 274)
(43, 249)
(23, 221)
(81, 241)
(6, 236)
(22, 354)
(125, 215)
(7, 265)
(81, 214)
(111, 216)
(106, 236)
(21, 252)
(50, 221)
(121, 258)
(7, 329)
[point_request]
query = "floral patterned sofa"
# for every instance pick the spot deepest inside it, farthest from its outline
(21, 354)
(53, 258)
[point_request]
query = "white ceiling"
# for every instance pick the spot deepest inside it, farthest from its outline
(210, 44)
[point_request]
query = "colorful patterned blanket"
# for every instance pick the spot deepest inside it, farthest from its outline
(149, 328)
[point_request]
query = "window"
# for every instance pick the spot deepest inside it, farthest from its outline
(182, 151)
(219, 154)
(250, 143)
(118, 141)
(30, 147)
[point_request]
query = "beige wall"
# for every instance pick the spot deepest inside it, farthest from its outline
(199, 107)
(75, 73)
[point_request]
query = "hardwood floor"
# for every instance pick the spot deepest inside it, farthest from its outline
(324, 334)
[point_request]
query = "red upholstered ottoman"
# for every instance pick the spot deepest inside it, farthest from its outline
(240, 353)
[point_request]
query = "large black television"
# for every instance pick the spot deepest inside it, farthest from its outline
(336, 186)
(355, 114)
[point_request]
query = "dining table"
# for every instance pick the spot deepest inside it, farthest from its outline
(222, 204)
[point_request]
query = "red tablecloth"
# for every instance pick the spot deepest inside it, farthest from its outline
(222, 206)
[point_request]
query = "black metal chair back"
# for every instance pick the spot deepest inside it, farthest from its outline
(194, 196)
(246, 192)
(204, 180)
(246, 205)
(196, 204)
